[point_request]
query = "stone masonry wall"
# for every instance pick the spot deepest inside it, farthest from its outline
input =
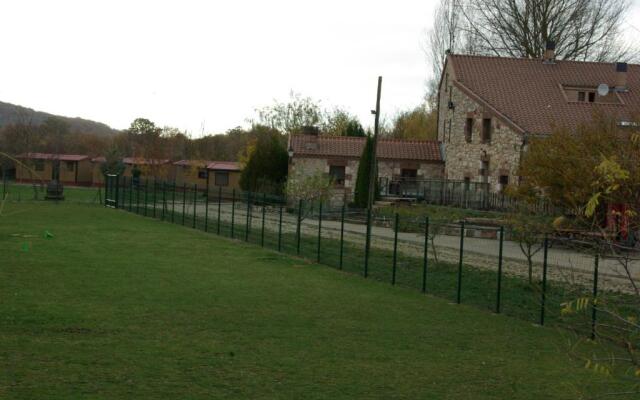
(386, 169)
(464, 160)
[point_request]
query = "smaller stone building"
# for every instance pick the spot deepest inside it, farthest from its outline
(339, 157)
(72, 169)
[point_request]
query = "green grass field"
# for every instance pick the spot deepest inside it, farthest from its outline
(115, 305)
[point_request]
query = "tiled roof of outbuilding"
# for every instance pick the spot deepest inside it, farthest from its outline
(47, 156)
(352, 147)
(224, 166)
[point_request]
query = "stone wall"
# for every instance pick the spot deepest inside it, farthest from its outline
(389, 169)
(463, 159)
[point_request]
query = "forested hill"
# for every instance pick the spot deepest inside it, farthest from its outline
(11, 113)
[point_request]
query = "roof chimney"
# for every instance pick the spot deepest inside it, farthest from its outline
(621, 77)
(550, 52)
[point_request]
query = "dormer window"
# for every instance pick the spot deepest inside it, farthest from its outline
(589, 95)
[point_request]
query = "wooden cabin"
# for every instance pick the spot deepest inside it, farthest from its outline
(72, 169)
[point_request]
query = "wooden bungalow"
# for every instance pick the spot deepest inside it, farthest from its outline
(224, 174)
(72, 169)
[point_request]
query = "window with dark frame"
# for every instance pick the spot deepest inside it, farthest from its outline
(484, 171)
(38, 165)
(409, 173)
(468, 130)
(467, 183)
(337, 173)
(581, 96)
(202, 173)
(486, 130)
(222, 178)
(592, 97)
(70, 165)
(503, 180)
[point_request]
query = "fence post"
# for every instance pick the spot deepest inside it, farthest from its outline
(164, 198)
(184, 201)
(367, 245)
(458, 297)
(425, 261)
(395, 249)
(280, 230)
(206, 207)
(319, 230)
(264, 212)
(124, 192)
(219, 207)
(195, 204)
(155, 186)
(117, 190)
(594, 301)
(146, 195)
(248, 220)
(544, 279)
(131, 194)
(4, 184)
(499, 286)
(137, 198)
(173, 202)
(341, 235)
(298, 233)
(233, 210)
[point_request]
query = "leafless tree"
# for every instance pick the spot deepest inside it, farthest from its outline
(581, 29)
(449, 33)
(586, 30)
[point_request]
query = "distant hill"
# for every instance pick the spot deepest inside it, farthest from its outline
(11, 113)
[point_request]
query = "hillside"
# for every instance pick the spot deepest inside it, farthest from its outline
(11, 113)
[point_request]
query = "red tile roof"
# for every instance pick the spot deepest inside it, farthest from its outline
(47, 156)
(143, 161)
(194, 163)
(529, 93)
(224, 166)
(352, 147)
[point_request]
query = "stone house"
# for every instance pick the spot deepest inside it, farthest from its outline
(72, 169)
(488, 108)
(339, 156)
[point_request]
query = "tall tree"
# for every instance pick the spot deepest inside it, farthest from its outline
(293, 115)
(419, 123)
(265, 162)
(361, 197)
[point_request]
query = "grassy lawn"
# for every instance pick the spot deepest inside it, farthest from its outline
(27, 192)
(118, 306)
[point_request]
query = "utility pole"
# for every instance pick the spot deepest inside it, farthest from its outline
(374, 149)
(372, 178)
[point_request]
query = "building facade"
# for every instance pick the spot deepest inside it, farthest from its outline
(339, 157)
(71, 169)
(489, 107)
(224, 175)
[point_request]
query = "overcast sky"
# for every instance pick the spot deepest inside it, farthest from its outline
(190, 64)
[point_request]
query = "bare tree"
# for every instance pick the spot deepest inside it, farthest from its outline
(586, 30)
(581, 29)
(449, 34)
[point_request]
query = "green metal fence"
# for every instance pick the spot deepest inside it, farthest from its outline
(464, 263)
